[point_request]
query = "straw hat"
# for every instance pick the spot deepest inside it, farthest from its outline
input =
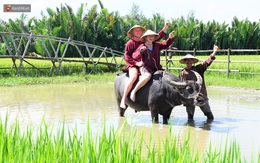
(189, 56)
(130, 31)
(148, 33)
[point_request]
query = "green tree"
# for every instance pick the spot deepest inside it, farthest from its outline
(108, 29)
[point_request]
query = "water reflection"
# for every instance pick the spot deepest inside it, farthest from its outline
(236, 113)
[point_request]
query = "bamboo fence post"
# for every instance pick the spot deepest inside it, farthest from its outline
(166, 60)
(228, 62)
(24, 53)
(194, 52)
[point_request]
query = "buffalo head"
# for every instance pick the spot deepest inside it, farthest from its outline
(188, 89)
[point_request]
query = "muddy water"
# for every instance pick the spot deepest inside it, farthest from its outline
(236, 111)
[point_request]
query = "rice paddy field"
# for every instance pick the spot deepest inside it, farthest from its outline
(46, 143)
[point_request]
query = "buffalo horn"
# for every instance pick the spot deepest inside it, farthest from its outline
(174, 83)
(199, 78)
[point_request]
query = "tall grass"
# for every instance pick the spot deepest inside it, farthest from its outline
(44, 144)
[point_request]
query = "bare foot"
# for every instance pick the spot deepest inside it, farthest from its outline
(132, 96)
(122, 105)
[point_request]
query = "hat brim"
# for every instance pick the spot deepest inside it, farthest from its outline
(130, 31)
(155, 38)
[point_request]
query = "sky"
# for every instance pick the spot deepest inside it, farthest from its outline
(204, 10)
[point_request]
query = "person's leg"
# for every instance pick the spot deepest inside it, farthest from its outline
(190, 109)
(133, 74)
(146, 76)
(207, 111)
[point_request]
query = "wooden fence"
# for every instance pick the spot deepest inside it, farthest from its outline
(107, 56)
(17, 45)
(169, 54)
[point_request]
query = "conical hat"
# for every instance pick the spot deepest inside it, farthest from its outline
(130, 31)
(189, 56)
(148, 33)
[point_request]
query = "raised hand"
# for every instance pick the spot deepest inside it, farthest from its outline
(171, 35)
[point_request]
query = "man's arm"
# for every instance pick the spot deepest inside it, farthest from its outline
(210, 59)
(215, 50)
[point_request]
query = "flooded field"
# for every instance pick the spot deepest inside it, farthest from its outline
(236, 111)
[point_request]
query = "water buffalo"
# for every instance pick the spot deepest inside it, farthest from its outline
(160, 95)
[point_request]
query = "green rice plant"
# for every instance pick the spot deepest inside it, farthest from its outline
(231, 153)
(211, 155)
(124, 145)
